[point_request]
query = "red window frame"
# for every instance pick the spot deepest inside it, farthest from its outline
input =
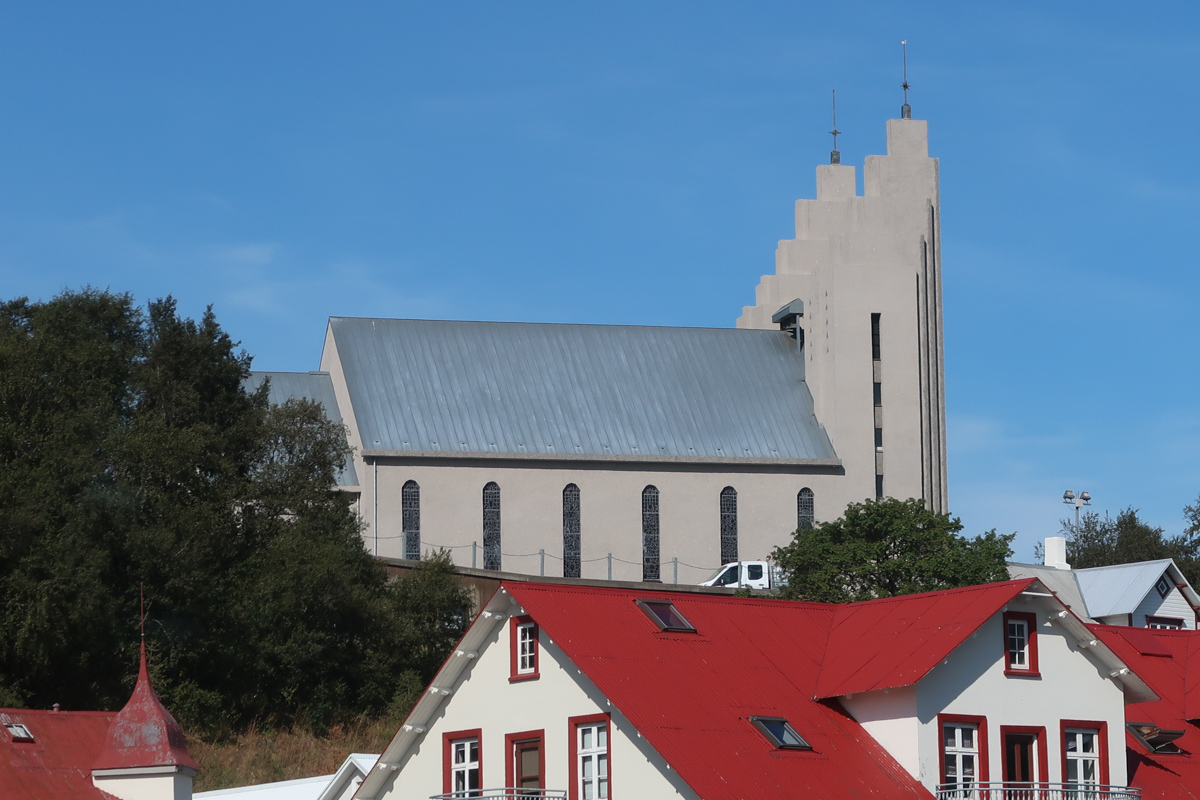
(1030, 621)
(980, 738)
(511, 740)
(514, 650)
(1039, 732)
(573, 750)
(1101, 729)
(448, 755)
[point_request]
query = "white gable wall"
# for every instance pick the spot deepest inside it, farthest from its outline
(972, 682)
(484, 698)
(1174, 606)
(890, 716)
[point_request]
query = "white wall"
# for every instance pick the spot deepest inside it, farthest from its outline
(890, 716)
(1072, 686)
(611, 514)
(483, 698)
(1174, 605)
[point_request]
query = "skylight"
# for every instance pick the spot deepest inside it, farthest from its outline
(666, 615)
(1154, 738)
(18, 732)
(780, 733)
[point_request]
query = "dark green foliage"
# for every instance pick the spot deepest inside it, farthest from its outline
(1103, 541)
(882, 548)
(130, 454)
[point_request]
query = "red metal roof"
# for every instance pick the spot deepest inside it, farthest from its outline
(144, 734)
(57, 764)
(883, 644)
(1165, 661)
(691, 694)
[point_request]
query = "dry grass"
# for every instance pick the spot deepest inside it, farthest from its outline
(265, 756)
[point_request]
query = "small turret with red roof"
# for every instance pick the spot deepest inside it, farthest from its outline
(145, 754)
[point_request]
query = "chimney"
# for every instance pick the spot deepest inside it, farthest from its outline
(788, 319)
(145, 757)
(1055, 555)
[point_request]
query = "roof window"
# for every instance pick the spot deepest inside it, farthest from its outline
(18, 732)
(1155, 739)
(666, 616)
(780, 733)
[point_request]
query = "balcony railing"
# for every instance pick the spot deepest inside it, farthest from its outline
(504, 793)
(1036, 791)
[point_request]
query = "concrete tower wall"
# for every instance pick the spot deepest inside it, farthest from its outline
(855, 257)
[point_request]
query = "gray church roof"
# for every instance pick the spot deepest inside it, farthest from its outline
(315, 386)
(538, 390)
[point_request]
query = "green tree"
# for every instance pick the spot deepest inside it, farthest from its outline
(883, 548)
(1103, 541)
(130, 454)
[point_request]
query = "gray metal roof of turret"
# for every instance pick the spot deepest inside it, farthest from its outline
(542, 390)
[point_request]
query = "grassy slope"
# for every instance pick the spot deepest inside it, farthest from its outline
(266, 756)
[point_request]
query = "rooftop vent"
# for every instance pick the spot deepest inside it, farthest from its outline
(18, 732)
(666, 616)
(780, 733)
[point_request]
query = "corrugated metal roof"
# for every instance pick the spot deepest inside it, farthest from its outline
(1166, 661)
(1060, 581)
(57, 764)
(896, 641)
(315, 386)
(691, 695)
(560, 391)
(1120, 588)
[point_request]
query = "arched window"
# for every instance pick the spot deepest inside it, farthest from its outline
(650, 555)
(729, 548)
(410, 519)
(805, 515)
(571, 530)
(491, 526)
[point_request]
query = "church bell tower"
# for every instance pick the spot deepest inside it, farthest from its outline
(868, 269)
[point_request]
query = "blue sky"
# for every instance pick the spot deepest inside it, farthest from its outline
(636, 163)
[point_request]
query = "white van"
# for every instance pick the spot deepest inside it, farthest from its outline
(748, 575)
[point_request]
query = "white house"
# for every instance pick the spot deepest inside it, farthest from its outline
(1142, 594)
(596, 692)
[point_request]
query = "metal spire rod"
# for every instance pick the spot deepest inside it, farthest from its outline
(835, 157)
(906, 109)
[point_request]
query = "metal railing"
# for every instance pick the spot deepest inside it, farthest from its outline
(504, 793)
(1036, 791)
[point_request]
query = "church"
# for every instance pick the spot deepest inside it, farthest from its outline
(657, 453)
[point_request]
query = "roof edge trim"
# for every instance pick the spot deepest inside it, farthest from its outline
(603, 457)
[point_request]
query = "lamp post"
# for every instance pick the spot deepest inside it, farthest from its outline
(1084, 499)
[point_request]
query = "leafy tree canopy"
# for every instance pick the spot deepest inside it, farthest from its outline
(1103, 541)
(883, 548)
(131, 454)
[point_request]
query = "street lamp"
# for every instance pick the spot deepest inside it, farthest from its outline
(1070, 499)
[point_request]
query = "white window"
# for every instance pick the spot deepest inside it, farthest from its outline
(526, 648)
(593, 760)
(960, 751)
(464, 767)
(1083, 756)
(1018, 644)
(1164, 623)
